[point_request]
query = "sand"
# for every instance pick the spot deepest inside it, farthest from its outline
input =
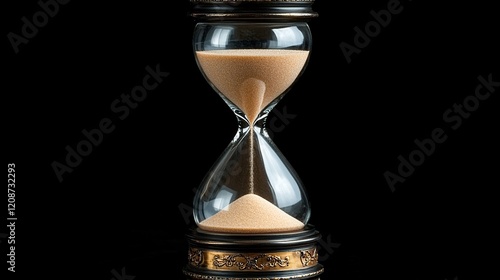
(251, 214)
(252, 78)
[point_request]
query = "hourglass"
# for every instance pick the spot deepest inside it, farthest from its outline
(251, 209)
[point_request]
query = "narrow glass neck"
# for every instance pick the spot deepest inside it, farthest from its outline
(259, 120)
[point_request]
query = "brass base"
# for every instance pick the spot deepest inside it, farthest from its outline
(277, 256)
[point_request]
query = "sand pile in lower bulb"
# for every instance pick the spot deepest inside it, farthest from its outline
(251, 214)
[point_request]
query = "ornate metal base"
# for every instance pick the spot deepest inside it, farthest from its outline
(280, 256)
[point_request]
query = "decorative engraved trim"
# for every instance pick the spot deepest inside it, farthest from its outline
(275, 261)
(195, 257)
(234, 277)
(250, 262)
(309, 258)
(236, 261)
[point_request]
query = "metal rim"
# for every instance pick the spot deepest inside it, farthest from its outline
(276, 9)
(200, 237)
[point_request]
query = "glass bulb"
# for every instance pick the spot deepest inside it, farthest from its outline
(251, 188)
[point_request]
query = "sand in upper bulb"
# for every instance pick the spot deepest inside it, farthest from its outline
(251, 79)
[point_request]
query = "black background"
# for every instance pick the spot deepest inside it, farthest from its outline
(120, 207)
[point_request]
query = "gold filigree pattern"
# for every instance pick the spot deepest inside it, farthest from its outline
(249, 262)
(239, 261)
(275, 261)
(308, 257)
(195, 257)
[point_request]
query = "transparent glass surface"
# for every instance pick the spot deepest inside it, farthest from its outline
(251, 188)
